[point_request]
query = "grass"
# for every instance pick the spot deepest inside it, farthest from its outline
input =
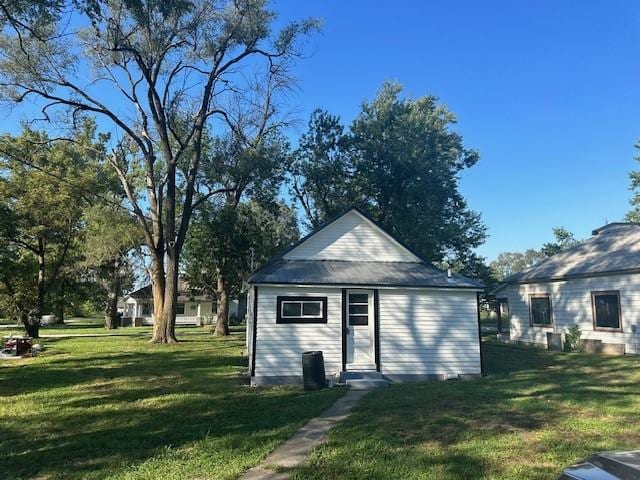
(534, 414)
(117, 407)
(78, 326)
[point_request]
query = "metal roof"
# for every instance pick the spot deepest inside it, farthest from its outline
(184, 294)
(613, 249)
(340, 272)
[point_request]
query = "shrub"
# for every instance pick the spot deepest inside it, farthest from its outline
(572, 338)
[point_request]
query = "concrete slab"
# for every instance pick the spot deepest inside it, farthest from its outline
(367, 383)
(295, 451)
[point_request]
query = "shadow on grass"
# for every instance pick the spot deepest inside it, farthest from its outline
(536, 412)
(104, 410)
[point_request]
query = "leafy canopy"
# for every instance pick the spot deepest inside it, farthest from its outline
(400, 161)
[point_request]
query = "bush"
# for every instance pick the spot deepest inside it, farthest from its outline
(572, 338)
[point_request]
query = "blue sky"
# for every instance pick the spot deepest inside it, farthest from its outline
(547, 91)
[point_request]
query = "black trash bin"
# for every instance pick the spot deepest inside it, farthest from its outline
(313, 371)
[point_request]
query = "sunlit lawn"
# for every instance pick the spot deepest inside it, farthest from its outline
(118, 407)
(77, 326)
(535, 413)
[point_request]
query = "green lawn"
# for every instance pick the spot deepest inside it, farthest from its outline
(535, 413)
(78, 325)
(117, 407)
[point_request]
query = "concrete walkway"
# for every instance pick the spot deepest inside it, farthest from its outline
(295, 451)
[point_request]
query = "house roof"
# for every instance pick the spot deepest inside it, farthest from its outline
(184, 293)
(420, 273)
(340, 272)
(613, 249)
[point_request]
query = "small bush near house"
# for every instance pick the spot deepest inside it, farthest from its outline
(572, 338)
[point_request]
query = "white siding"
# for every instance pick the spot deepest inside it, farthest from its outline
(351, 237)
(429, 332)
(279, 346)
(571, 305)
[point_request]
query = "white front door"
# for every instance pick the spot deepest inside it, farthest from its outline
(360, 325)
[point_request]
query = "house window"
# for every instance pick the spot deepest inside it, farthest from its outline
(301, 310)
(606, 310)
(540, 310)
(146, 309)
(358, 309)
(179, 308)
(214, 306)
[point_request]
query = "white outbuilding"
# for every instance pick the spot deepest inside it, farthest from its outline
(370, 304)
(594, 285)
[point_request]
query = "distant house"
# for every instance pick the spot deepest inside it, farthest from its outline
(371, 305)
(193, 307)
(595, 285)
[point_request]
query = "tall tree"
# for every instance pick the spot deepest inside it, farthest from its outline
(508, 263)
(399, 161)
(110, 239)
(43, 184)
(159, 74)
(249, 164)
(226, 243)
(633, 215)
(563, 239)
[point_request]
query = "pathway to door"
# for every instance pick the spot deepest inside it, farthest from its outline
(295, 451)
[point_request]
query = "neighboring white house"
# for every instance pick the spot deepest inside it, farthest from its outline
(595, 285)
(193, 307)
(367, 302)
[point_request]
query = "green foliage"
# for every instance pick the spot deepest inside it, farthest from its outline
(227, 240)
(161, 76)
(400, 162)
(508, 263)
(563, 240)
(572, 338)
(633, 215)
(44, 187)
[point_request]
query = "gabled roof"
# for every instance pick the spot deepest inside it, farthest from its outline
(415, 272)
(184, 293)
(613, 249)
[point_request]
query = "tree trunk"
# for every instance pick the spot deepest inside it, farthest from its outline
(157, 290)
(60, 305)
(31, 324)
(222, 320)
(111, 315)
(41, 280)
(165, 294)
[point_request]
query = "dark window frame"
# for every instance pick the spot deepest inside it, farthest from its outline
(596, 328)
(304, 320)
(183, 308)
(540, 325)
(356, 318)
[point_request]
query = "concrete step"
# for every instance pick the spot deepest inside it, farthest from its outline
(357, 375)
(367, 383)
